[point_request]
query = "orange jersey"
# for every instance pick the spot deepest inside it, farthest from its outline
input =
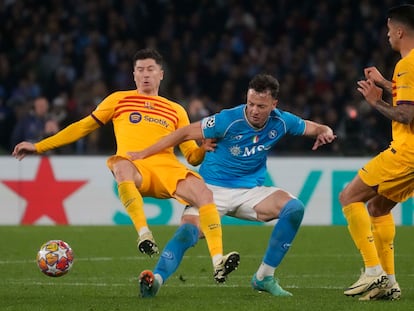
(139, 121)
(403, 94)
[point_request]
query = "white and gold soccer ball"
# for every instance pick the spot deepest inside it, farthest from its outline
(55, 258)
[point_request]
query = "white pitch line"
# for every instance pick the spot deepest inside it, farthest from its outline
(142, 258)
(127, 284)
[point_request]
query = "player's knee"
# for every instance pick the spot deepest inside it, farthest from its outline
(123, 170)
(294, 211)
(344, 198)
(188, 234)
(205, 196)
(341, 198)
(190, 216)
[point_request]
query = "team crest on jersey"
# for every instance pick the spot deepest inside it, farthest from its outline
(255, 139)
(135, 117)
(149, 105)
(272, 134)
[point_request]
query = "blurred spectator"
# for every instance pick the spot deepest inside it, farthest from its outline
(317, 49)
(7, 121)
(59, 110)
(352, 132)
(36, 124)
(196, 109)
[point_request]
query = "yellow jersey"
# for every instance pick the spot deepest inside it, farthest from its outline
(391, 172)
(139, 121)
(403, 94)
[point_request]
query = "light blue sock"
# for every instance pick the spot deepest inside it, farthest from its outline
(171, 256)
(284, 232)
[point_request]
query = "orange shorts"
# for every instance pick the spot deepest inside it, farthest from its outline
(160, 175)
(390, 173)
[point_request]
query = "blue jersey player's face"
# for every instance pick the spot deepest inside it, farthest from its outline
(259, 106)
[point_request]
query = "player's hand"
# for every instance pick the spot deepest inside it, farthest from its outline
(372, 73)
(370, 91)
(324, 138)
(22, 149)
(209, 144)
(135, 155)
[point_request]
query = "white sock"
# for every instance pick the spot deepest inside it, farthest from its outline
(373, 271)
(264, 270)
(216, 258)
(143, 230)
(392, 279)
(158, 278)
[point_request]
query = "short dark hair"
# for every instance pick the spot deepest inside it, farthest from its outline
(403, 14)
(265, 82)
(148, 53)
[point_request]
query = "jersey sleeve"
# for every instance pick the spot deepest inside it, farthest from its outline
(193, 154)
(404, 81)
(102, 114)
(214, 126)
(294, 124)
(68, 135)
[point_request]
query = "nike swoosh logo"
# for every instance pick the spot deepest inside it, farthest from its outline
(167, 255)
(358, 286)
(401, 73)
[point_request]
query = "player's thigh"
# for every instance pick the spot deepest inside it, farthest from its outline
(356, 191)
(271, 204)
(124, 169)
(258, 203)
(193, 190)
(380, 206)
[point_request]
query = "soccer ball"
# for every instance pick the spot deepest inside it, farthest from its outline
(55, 258)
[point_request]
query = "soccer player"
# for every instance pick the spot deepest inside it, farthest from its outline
(388, 178)
(141, 117)
(235, 171)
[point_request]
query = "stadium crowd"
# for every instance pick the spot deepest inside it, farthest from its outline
(74, 53)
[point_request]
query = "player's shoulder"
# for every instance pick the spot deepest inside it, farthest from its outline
(168, 102)
(124, 93)
(409, 57)
(115, 97)
(234, 111)
(279, 113)
(224, 118)
(407, 61)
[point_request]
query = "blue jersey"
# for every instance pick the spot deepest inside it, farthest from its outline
(239, 160)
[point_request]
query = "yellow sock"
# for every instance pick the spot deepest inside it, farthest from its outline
(211, 227)
(359, 226)
(383, 228)
(133, 203)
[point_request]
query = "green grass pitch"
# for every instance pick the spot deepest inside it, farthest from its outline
(321, 263)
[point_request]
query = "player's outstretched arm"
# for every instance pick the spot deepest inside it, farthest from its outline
(68, 135)
(192, 131)
(323, 133)
(23, 149)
